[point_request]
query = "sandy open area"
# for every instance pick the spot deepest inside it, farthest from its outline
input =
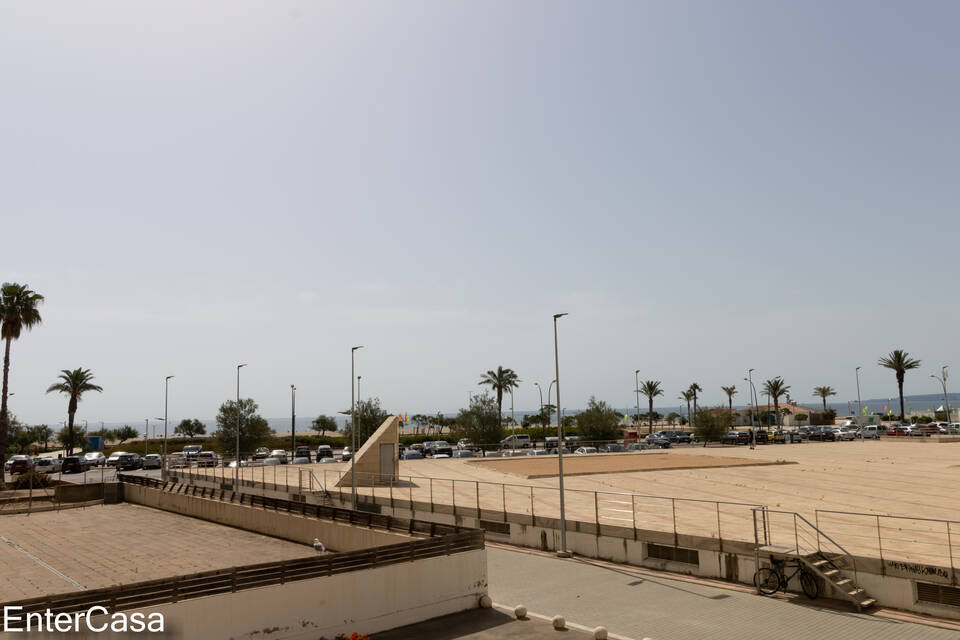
(575, 465)
(118, 544)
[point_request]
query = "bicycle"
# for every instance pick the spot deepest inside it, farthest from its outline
(769, 580)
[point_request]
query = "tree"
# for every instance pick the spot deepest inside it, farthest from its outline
(70, 438)
(776, 389)
(254, 430)
(500, 381)
(191, 427)
(899, 361)
(712, 425)
(694, 388)
(824, 393)
(730, 391)
(43, 433)
(651, 389)
(598, 421)
(74, 384)
(802, 417)
(324, 423)
(480, 422)
(688, 396)
(419, 421)
(126, 432)
(672, 417)
(369, 418)
(18, 311)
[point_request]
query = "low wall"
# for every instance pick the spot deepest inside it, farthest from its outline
(109, 492)
(337, 536)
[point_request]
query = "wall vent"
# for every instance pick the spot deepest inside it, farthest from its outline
(938, 594)
(674, 554)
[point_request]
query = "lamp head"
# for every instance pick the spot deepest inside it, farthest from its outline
(357, 347)
(559, 315)
(168, 377)
(241, 365)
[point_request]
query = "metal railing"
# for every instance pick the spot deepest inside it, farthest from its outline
(896, 539)
(505, 502)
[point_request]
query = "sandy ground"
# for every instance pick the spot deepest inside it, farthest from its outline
(118, 544)
(905, 477)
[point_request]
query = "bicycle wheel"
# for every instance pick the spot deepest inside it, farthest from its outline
(767, 581)
(809, 584)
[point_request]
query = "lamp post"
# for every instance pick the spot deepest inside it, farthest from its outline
(942, 379)
(636, 376)
(359, 397)
(293, 421)
(353, 451)
(513, 420)
(237, 487)
(561, 443)
(146, 437)
(859, 409)
(753, 401)
(166, 396)
(540, 389)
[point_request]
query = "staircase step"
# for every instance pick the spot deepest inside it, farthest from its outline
(856, 592)
(869, 602)
(830, 572)
(840, 583)
(820, 563)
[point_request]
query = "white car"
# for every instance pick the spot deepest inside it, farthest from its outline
(46, 465)
(151, 461)
(585, 450)
(845, 433)
(95, 458)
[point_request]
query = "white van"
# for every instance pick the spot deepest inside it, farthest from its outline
(516, 441)
(870, 432)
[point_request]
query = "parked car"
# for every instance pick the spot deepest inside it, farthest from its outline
(301, 460)
(613, 447)
(464, 443)
(128, 461)
(152, 461)
(261, 453)
(845, 433)
(177, 460)
(412, 454)
(46, 465)
(656, 441)
(735, 437)
(115, 458)
(537, 452)
(346, 454)
(516, 441)
(829, 434)
(271, 462)
(869, 432)
(302, 452)
(438, 448)
(681, 437)
(328, 460)
(207, 459)
(634, 446)
(95, 458)
(324, 451)
(512, 453)
(192, 450)
(279, 454)
(233, 464)
(464, 453)
(74, 464)
(585, 450)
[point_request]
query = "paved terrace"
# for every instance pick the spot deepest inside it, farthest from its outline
(910, 477)
(59, 552)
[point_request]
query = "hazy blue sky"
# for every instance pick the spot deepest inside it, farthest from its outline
(705, 187)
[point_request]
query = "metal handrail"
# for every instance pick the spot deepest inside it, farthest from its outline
(881, 515)
(795, 516)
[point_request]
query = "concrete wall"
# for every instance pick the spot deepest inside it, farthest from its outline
(367, 459)
(337, 536)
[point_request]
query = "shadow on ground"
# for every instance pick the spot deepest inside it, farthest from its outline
(485, 624)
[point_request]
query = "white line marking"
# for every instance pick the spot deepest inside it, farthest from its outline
(42, 563)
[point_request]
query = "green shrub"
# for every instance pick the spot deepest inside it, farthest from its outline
(31, 479)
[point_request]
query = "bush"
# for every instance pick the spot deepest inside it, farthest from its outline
(31, 479)
(598, 422)
(712, 424)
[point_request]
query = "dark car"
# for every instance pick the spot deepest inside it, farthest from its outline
(324, 451)
(75, 464)
(760, 436)
(302, 452)
(681, 437)
(613, 447)
(827, 434)
(657, 441)
(438, 447)
(128, 461)
(735, 437)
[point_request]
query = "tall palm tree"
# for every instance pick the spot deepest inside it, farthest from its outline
(18, 311)
(900, 362)
(688, 396)
(824, 393)
(775, 389)
(694, 388)
(73, 383)
(502, 381)
(730, 391)
(651, 389)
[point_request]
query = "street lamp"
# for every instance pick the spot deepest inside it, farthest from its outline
(561, 443)
(512, 418)
(353, 409)
(166, 395)
(293, 421)
(540, 389)
(146, 436)
(636, 375)
(239, 366)
(753, 399)
(859, 409)
(943, 381)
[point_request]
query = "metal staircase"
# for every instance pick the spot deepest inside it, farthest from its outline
(817, 552)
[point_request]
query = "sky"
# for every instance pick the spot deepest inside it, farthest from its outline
(705, 187)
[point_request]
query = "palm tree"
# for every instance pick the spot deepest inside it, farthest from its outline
(900, 362)
(502, 381)
(73, 383)
(688, 396)
(694, 389)
(730, 391)
(824, 393)
(776, 388)
(18, 311)
(651, 389)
